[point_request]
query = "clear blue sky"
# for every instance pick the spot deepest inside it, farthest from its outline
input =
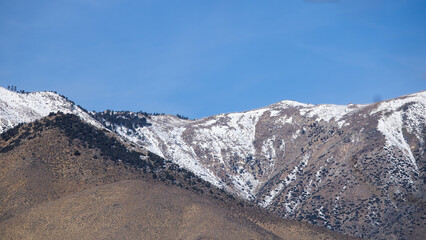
(200, 58)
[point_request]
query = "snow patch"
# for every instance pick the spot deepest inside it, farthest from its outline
(327, 112)
(391, 127)
(274, 113)
(268, 199)
(296, 134)
(284, 120)
(268, 149)
(245, 183)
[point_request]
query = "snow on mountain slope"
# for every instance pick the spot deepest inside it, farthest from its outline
(27, 107)
(394, 118)
(326, 164)
(357, 169)
(218, 141)
(228, 141)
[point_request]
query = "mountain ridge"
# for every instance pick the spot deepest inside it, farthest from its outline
(64, 178)
(356, 169)
(288, 157)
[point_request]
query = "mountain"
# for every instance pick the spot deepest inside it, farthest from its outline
(355, 169)
(18, 107)
(64, 179)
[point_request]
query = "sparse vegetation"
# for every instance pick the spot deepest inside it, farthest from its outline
(110, 148)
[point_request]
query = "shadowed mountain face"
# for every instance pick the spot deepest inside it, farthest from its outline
(357, 169)
(58, 181)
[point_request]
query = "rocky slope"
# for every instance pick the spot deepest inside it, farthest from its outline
(357, 169)
(63, 179)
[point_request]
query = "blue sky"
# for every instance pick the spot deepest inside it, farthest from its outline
(200, 58)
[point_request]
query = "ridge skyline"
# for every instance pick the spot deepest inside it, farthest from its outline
(288, 102)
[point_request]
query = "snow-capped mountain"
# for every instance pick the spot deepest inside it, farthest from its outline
(357, 169)
(27, 107)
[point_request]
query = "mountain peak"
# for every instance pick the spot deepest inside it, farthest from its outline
(331, 165)
(18, 107)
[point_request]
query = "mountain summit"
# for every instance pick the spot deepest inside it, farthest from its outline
(356, 169)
